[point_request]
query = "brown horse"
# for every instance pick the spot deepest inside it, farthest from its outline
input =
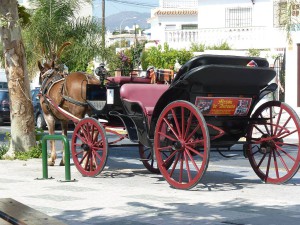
(66, 91)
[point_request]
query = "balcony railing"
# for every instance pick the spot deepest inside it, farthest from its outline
(237, 38)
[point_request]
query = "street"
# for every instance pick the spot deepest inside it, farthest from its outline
(127, 193)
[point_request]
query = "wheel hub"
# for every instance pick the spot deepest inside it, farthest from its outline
(179, 145)
(85, 147)
(267, 146)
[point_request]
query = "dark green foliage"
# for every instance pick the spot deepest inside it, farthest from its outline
(165, 58)
(24, 16)
(3, 150)
(54, 23)
(34, 152)
(127, 60)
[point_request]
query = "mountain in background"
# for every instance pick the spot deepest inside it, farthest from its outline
(114, 21)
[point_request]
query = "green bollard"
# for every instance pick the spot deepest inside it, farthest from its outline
(67, 155)
(44, 157)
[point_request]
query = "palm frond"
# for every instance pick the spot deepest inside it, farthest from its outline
(54, 22)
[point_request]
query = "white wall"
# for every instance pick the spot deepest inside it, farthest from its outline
(291, 72)
(212, 12)
(263, 13)
(86, 10)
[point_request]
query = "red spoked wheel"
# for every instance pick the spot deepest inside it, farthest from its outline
(273, 142)
(146, 154)
(181, 133)
(149, 161)
(89, 147)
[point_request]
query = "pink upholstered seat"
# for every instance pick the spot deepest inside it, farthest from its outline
(146, 95)
(126, 79)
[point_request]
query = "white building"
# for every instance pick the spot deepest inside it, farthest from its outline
(175, 22)
(130, 36)
(292, 73)
(243, 24)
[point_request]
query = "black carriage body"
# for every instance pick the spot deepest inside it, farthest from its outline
(204, 77)
(210, 77)
(212, 102)
(104, 99)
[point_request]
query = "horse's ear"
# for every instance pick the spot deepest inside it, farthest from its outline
(40, 66)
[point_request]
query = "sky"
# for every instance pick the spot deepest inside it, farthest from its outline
(116, 6)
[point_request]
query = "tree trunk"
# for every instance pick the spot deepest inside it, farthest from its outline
(21, 108)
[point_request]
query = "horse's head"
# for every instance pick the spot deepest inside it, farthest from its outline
(46, 70)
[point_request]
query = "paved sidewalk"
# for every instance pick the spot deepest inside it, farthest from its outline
(126, 193)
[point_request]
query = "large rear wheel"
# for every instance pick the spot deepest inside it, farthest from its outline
(181, 133)
(89, 147)
(274, 142)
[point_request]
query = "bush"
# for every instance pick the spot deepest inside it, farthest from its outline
(3, 150)
(4, 147)
(254, 52)
(126, 60)
(165, 58)
(202, 47)
(34, 152)
(197, 47)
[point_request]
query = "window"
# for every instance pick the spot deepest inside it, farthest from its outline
(282, 10)
(189, 27)
(238, 17)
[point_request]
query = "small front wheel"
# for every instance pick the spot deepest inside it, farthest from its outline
(146, 155)
(181, 134)
(89, 147)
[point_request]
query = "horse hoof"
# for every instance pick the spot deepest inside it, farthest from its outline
(61, 163)
(51, 163)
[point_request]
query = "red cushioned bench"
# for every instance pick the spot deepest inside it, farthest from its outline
(145, 95)
(126, 79)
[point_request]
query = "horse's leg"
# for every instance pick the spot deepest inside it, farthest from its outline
(50, 121)
(64, 128)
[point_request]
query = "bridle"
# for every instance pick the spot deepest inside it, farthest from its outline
(48, 73)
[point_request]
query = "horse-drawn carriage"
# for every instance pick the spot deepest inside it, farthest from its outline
(211, 103)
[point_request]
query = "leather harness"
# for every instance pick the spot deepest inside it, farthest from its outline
(49, 80)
